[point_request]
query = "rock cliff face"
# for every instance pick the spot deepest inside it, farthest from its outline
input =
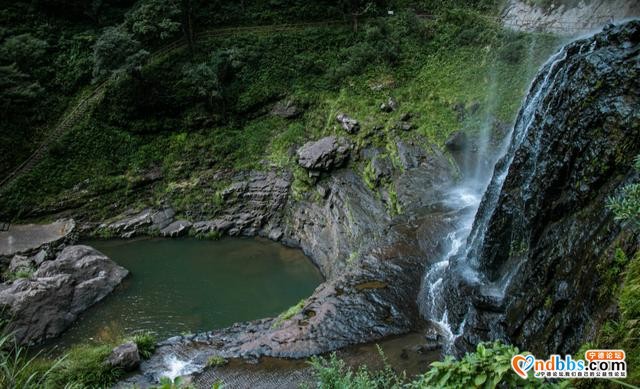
(543, 236)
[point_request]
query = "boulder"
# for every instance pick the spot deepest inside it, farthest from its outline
(349, 124)
(125, 357)
(324, 154)
(46, 304)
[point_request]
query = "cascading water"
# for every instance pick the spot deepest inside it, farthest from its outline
(479, 195)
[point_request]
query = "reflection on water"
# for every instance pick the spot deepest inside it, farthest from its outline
(189, 285)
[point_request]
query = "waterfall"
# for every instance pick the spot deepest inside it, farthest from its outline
(480, 195)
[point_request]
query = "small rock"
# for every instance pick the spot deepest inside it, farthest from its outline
(125, 356)
(276, 234)
(40, 257)
(389, 106)
(349, 124)
(405, 117)
(404, 126)
(176, 229)
(286, 109)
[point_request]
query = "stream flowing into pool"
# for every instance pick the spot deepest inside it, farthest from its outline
(180, 286)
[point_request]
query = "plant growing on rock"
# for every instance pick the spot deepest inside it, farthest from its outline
(626, 206)
(146, 342)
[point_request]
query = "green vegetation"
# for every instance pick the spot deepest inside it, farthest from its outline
(82, 366)
(146, 342)
(288, 314)
(622, 331)
(216, 360)
(488, 367)
(333, 372)
(203, 106)
(626, 206)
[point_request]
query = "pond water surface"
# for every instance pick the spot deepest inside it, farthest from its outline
(180, 286)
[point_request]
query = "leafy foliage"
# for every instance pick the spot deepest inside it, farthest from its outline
(333, 373)
(116, 51)
(488, 367)
(146, 342)
(154, 20)
(626, 206)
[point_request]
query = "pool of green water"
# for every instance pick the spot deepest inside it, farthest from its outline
(180, 286)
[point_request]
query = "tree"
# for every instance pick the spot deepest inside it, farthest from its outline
(355, 9)
(210, 79)
(154, 19)
(18, 90)
(116, 51)
(25, 50)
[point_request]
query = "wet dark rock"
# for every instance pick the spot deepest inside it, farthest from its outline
(325, 154)
(349, 124)
(457, 142)
(550, 221)
(46, 304)
(125, 357)
(286, 109)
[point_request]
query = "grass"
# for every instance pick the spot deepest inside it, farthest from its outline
(216, 361)
(82, 366)
(288, 314)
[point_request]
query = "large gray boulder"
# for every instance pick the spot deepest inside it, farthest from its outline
(47, 303)
(324, 154)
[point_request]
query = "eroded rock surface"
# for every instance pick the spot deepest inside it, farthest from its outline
(45, 304)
